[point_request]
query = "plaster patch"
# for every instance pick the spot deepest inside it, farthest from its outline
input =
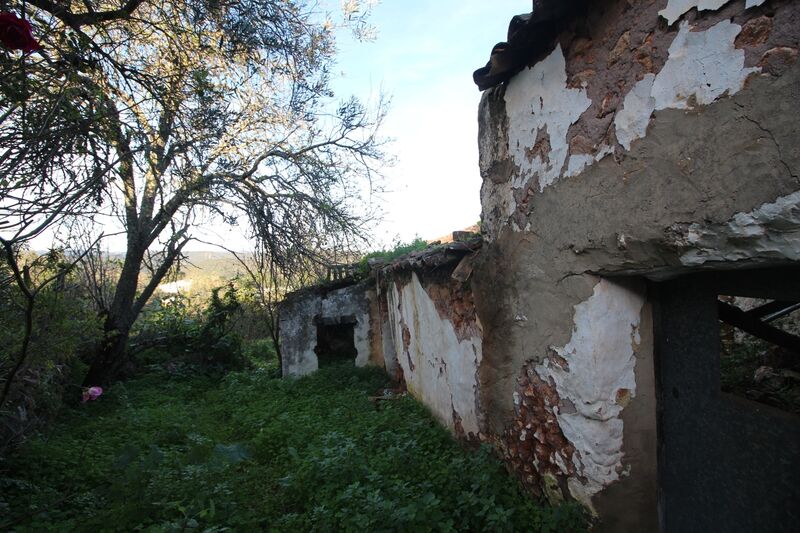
(631, 122)
(770, 231)
(753, 3)
(704, 65)
(538, 98)
(676, 8)
(439, 370)
(600, 362)
(579, 162)
(298, 336)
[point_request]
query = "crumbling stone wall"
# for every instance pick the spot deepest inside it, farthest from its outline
(436, 344)
(655, 138)
(652, 140)
(300, 313)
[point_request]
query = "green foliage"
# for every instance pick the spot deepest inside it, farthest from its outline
(63, 326)
(249, 453)
(398, 249)
(172, 326)
(257, 312)
(261, 354)
(740, 362)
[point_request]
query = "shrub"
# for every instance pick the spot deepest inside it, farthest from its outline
(173, 328)
(63, 326)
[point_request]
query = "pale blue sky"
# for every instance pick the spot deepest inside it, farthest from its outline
(423, 57)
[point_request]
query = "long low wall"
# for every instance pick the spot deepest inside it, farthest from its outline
(648, 140)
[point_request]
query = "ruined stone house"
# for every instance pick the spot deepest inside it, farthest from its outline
(641, 168)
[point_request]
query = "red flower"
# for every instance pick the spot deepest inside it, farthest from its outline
(15, 33)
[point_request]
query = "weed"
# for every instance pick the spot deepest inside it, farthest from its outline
(250, 452)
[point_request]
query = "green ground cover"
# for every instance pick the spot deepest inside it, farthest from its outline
(179, 451)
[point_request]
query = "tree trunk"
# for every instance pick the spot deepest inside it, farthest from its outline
(111, 355)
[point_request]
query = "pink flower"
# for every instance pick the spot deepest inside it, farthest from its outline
(92, 393)
(16, 33)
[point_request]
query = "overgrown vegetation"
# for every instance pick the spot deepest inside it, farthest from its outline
(205, 332)
(755, 369)
(203, 337)
(176, 450)
(46, 322)
(398, 249)
(168, 117)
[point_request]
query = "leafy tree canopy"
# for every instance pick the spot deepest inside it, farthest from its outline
(171, 114)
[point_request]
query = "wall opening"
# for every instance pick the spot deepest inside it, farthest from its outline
(336, 341)
(760, 350)
(725, 463)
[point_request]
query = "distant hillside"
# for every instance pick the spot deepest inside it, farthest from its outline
(211, 264)
(202, 271)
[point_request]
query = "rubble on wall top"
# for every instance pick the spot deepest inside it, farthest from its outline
(530, 36)
(432, 257)
(458, 235)
(438, 253)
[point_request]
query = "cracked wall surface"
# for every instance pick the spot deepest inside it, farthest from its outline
(593, 375)
(541, 109)
(680, 154)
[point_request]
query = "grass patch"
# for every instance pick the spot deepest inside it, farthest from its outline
(173, 452)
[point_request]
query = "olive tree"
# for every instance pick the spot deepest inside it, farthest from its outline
(208, 112)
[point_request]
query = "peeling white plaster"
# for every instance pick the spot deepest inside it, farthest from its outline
(539, 98)
(632, 120)
(753, 3)
(388, 348)
(701, 64)
(298, 338)
(440, 370)
(771, 231)
(600, 360)
(676, 8)
(578, 162)
(704, 65)
(497, 205)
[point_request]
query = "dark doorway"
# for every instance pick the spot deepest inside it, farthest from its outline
(726, 463)
(335, 342)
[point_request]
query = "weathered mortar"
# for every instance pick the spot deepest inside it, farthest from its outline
(638, 148)
(699, 167)
(613, 76)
